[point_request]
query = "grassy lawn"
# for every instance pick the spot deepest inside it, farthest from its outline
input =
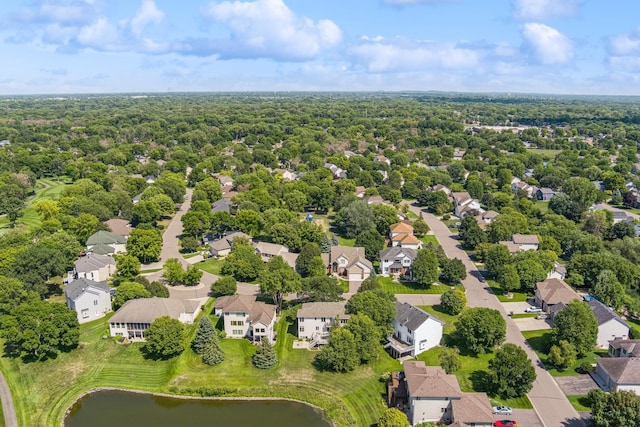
(150, 270)
(540, 340)
(346, 242)
(543, 206)
(472, 375)
(410, 287)
(344, 285)
(516, 296)
(635, 326)
(211, 265)
(579, 402)
(429, 238)
(523, 315)
(43, 391)
(545, 152)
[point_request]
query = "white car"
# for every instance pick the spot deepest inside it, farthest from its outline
(502, 410)
(533, 309)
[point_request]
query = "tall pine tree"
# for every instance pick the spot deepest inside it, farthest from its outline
(213, 353)
(265, 356)
(205, 333)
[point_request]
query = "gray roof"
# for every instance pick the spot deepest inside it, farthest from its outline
(630, 346)
(623, 370)
(397, 251)
(323, 309)
(603, 313)
(74, 289)
(93, 262)
(102, 249)
(410, 316)
(146, 310)
(106, 237)
(222, 205)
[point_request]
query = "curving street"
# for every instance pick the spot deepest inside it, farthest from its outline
(550, 403)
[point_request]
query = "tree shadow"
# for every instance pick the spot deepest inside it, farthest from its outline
(480, 381)
(574, 422)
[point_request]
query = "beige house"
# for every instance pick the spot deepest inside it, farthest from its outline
(94, 267)
(119, 226)
(464, 204)
(348, 262)
(243, 316)
(553, 294)
(268, 250)
(106, 243)
(221, 247)
(526, 242)
(136, 315)
(435, 396)
(315, 320)
(619, 373)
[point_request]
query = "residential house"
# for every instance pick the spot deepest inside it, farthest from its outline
(243, 316)
(624, 348)
(287, 175)
(552, 295)
(414, 331)
(526, 242)
(435, 396)
(464, 205)
(374, 200)
(91, 300)
(523, 186)
(222, 205)
(221, 247)
(382, 159)
(610, 325)
(119, 226)
(348, 262)
(136, 315)
(619, 373)
(95, 267)
(360, 192)
(269, 250)
(619, 216)
(559, 272)
(599, 185)
(136, 199)
(315, 320)
(337, 172)
(545, 194)
(150, 179)
(401, 234)
(458, 154)
(116, 242)
(488, 216)
(225, 181)
(400, 229)
(397, 261)
(441, 187)
(5, 143)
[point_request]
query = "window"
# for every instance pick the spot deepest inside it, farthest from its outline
(301, 319)
(423, 344)
(301, 328)
(317, 328)
(95, 302)
(324, 319)
(236, 332)
(85, 313)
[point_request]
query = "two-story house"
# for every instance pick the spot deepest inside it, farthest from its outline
(401, 234)
(348, 262)
(91, 300)
(243, 316)
(397, 261)
(93, 267)
(106, 243)
(464, 204)
(610, 325)
(552, 295)
(414, 331)
(315, 320)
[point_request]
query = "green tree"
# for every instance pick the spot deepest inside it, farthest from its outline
(164, 338)
(286, 235)
(582, 193)
(622, 230)
(213, 353)
(378, 305)
(496, 258)
(173, 272)
(480, 329)
(577, 325)
(370, 283)
(420, 227)
(393, 417)
(322, 288)
(562, 355)
(366, 336)
(145, 244)
(127, 291)
(249, 221)
(156, 289)
(454, 271)
(618, 408)
(453, 302)
(127, 266)
(278, 280)
(204, 335)
(609, 290)
(40, 330)
(511, 373)
(265, 356)
(340, 354)
(242, 263)
(471, 233)
(211, 187)
(196, 223)
(192, 276)
(354, 219)
(449, 359)
(425, 267)
(372, 242)
(508, 278)
(225, 285)
(530, 272)
(383, 217)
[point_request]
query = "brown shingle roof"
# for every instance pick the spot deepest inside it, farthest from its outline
(324, 309)
(623, 370)
(235, 303)
(461, 197)
(119, 226)
(407, 239)
(93, 262)
(146, 310)
(401, 227)
(472, 408)
(525, 239)
(430, 381)
(630, 346)
(554, 291)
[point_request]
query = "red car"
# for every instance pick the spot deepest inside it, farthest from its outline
(505, 423)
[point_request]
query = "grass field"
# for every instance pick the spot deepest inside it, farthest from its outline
(410, 287)
(346, 242)
(545, 152)
(429, 238)
(515, 296)
(211, 265)
(472, 375)
(635, 326)
(579, 402)
(543, 206)
(43, 391)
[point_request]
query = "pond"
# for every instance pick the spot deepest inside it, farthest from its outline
(126, 409)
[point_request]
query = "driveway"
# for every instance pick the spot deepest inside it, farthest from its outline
(524, 417)
(531, 324)
(516, 307)
(577, 384)
(549, 402)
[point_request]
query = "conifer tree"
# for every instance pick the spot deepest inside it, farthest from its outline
(213, 353)
(204, 335)
(265, 357)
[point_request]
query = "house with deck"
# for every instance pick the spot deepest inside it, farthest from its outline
(414, 331)
(315, 320)
(89, 299)
(244, 317)
(397, 261)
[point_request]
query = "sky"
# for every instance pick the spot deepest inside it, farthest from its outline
(589, 47)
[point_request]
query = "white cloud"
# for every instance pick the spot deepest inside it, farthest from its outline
(547, 45)
(147, 14)
(99, 35)
(380, 55)
(264, 29)
(624, 44)
(411, 2)
(538, 10)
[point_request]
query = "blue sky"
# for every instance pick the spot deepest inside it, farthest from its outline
(104, 46)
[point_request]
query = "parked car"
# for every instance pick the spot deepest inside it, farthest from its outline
(542, 316)
(533, 309)
(505, 423)
(502, 410)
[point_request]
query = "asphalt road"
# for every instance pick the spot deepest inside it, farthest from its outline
(551, 404)
(10, 418)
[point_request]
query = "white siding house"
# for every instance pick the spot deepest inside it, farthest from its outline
(414, 331)
(397, 261)
(315, 320)
(243, 316)
(93, 267)
(610, 325)
(91, 300)
(619, 373)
